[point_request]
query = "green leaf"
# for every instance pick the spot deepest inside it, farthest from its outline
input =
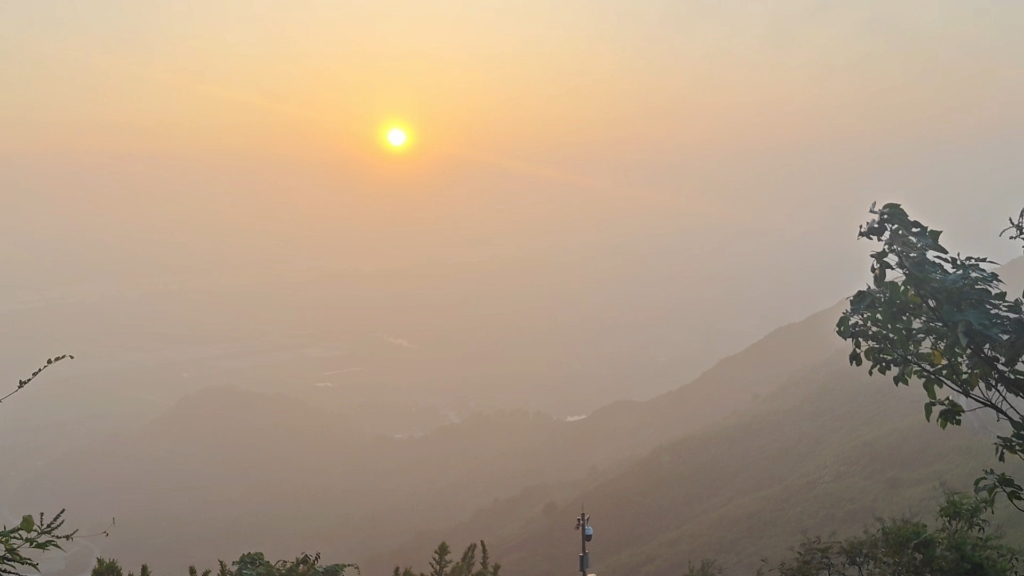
(27, 523)
(961, 332)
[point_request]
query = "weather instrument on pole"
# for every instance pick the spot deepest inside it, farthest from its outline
(586, 535)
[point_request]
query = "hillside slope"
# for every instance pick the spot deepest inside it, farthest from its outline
(227, 470)
(831, 451)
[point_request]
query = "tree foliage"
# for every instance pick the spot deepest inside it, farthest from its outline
(947, 322)
(145, 571)
(30, 535)
(442, 564)
(707, 567)
(960, 545)
(107, 567)
(254, 564)
(248, 564)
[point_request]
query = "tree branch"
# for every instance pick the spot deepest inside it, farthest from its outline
(25, 382)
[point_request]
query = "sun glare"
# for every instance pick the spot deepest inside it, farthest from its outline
(397, 137)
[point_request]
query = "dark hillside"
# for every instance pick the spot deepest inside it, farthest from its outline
(784, 412)
(184, 482)
(831, 451)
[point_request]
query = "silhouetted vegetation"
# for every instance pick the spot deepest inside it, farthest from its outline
(441, 564)
(961, 544)
(23, 383)
(706, 567)
(255, 564)
(30, 535)
(248, 564)
(108, 567)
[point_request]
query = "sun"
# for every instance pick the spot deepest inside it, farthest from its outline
(397, 137)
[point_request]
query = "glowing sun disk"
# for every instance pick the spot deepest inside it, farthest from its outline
(397, 137)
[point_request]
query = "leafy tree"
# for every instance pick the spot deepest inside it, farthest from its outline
(107, 567)
(29, 535)
(442, 565)
(254, 564)
(466, 564)
(960, 545)
(440, 562)
(144, 571)
(486, 567)
(248, 564)
(947, 322)
(707, 567)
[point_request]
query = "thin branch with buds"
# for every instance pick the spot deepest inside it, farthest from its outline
(25, 382)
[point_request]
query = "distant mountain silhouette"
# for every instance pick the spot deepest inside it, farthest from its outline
(832, 450)
(779, 437)
(227, 469)
(829, 449)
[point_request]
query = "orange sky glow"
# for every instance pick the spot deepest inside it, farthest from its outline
(253, 134)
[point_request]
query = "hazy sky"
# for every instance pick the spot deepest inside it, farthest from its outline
(601, 199)
(724, 149)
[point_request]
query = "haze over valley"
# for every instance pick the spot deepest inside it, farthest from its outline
(360, 277)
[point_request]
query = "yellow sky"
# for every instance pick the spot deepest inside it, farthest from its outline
(245, 127)
(533, 79)
(691, 173)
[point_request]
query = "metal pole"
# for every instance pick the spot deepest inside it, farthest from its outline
(581, 525)
(583, 542)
